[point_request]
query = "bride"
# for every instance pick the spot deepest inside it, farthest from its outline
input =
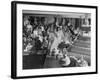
(58, 38)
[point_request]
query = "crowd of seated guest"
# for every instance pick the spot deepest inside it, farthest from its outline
(38, 35)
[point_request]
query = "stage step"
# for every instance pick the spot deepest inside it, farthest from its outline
(84, 38)
(80, 50)
(82, 44)
(86, 57)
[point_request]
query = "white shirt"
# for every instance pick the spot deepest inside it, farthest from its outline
(66, 61)
(29, 27)
(35, 33)
(40, 38)
(28, 47)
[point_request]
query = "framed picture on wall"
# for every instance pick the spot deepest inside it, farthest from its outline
(50, 39)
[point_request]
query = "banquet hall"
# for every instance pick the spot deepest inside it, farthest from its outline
(56, 39)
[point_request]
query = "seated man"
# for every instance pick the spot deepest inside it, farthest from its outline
(38, 44)
(35, 33)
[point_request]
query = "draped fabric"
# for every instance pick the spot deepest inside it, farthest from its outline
(77, 23)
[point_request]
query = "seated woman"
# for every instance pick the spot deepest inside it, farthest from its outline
(59, 55)
(82, 62)
(28, 47)
(65, 61)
